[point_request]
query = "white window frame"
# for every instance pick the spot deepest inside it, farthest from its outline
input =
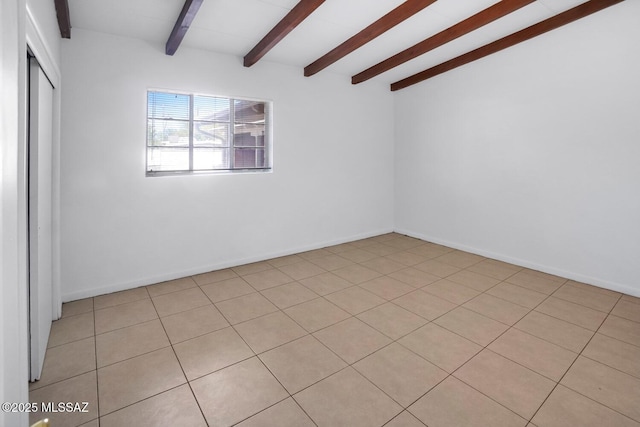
(268, 137)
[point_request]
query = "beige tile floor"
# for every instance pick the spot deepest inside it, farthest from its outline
(389, 330)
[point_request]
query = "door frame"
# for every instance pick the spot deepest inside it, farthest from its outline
(17, 23)
(38, 46)
(14, 333)
(39, 187)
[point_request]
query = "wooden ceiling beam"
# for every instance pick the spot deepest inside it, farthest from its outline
(388, 21)
(64, 21)
(299, 13)
(571, 15)
(470, 24)
(187, 15)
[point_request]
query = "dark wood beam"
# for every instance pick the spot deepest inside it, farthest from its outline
(476, 21)
(187, 15)
(64, 21)
(388, 21)
(298, 14)
(542, 27)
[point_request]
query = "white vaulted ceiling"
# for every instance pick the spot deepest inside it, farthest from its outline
(236, 26)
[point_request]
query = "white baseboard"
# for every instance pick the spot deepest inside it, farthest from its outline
(72, 296)
(602, 283)
(606, 284)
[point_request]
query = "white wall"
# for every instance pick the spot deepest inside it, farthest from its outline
(332, 178)
(532, 155)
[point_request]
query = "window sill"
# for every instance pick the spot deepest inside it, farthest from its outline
(209, 172)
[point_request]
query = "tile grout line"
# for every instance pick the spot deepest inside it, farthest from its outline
(450, 374)
(338, 356)
(410, 414)
(615, 338)
(348, 365)
(483, 348)
(95, 334)
(181, 369)
(513, 361)
(256, 355)
(95, 343)
(264, 315)
(410, 350)
(570, 366)
(509, 327)
(549, 315)
(608, 366)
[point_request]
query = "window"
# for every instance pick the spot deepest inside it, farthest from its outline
(191, 133)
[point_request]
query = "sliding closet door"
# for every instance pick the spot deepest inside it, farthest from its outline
(40, 211)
